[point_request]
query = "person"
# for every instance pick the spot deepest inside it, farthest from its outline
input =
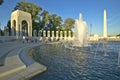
(27, 39)
(46, 40)
(35, 40)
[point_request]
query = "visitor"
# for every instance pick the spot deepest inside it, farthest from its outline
(27, 39)
(46, 40)
(35, 40)
(23, 41)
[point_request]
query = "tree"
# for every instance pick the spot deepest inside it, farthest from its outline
(69, 23)
(44, 19)
(9, 27)
(118, 35)
(54, 22)
(33, 9)
(1, 2)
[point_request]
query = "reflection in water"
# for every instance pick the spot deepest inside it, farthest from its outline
(64, 64)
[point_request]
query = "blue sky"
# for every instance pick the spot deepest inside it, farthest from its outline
(92, 11)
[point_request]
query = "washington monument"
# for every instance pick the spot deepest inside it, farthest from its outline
(105, 25)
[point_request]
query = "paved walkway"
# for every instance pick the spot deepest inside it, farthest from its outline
(15, 63)
(7, 47)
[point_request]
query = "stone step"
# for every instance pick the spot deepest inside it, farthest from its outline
(13, 64)
(28, 72)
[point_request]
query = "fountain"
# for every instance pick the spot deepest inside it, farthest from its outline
(80, 33)
(72, 61)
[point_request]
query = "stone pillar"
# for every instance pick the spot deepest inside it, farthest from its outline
(12, 28)
(20, 29)
(57, 35)
(52, 38)
(17, 28)
(30, 28)
(34, 33)
(61, 35)
(48, 34)
(44, 36)
(39, 34)
(65, 35)
(26, 31)
(44, 33)
(69, 35)
(53, 34)
(6, 31)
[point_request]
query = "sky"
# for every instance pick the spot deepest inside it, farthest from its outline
(92, 11)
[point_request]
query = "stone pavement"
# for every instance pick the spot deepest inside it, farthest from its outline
(7, 47)
(17, 64)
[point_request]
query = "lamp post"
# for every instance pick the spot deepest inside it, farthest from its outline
(90, 29)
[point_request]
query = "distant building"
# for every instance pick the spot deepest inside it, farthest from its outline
(95, 37)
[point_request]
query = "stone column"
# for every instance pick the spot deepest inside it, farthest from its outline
(5, 31)
(44, 33)
(12, 28)
(20, 26)
(39, 34)
(61, 35)
(52, 38)
(57, 35)
(17, 28)
(30, 28)
(44, 36)
(25, 31)
(48, 34)
(65, 35)
(34, 33)
(69, 35)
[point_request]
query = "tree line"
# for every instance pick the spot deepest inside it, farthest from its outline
(42, 19)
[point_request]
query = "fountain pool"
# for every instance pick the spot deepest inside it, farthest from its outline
(64, 64)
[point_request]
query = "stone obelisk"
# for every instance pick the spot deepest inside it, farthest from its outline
(105, 25)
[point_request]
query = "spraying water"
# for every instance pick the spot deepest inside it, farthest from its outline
(80, 33)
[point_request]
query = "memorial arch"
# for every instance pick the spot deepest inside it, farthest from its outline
(21, 24)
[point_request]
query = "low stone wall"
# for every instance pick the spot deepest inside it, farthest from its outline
(7, 38)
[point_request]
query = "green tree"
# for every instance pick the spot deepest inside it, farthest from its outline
(44, 18)
(54, 22)
(9, 27)
(69, 24)
(1, 2)
(118, 35)
(33, 9)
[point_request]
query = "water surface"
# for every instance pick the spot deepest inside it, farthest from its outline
(64, 64)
